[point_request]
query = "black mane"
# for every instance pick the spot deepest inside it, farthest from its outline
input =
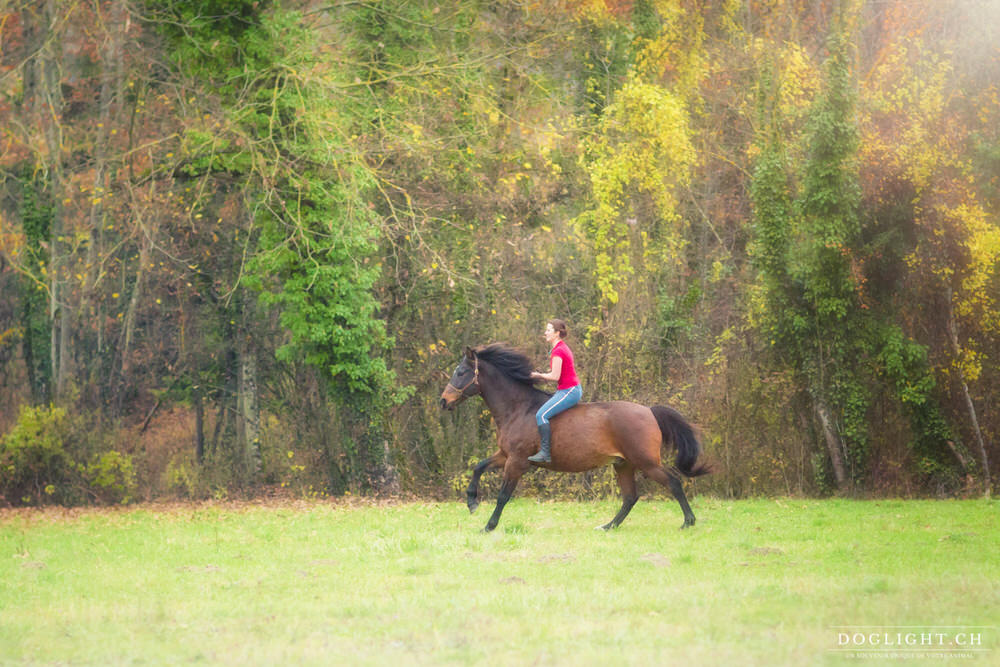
(511, 362)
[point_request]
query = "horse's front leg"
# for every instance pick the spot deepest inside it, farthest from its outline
(512, 472)
(492, 463)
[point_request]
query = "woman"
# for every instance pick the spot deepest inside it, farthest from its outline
(568, 390)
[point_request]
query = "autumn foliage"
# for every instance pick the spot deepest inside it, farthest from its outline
(242, 243)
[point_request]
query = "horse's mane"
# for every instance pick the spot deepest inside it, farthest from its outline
(510, 361)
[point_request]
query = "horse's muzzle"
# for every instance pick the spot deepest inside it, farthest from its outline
(450, 398)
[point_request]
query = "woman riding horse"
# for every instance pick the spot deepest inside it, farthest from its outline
(568, 391)
(626, 435)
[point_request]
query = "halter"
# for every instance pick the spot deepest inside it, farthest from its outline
(474, 380)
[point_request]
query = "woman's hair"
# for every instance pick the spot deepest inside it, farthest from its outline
(560, 327)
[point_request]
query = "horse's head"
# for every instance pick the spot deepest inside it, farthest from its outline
(464, 381)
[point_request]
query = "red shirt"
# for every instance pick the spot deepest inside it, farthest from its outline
(568, 379)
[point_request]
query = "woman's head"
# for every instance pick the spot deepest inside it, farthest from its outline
(559, 327)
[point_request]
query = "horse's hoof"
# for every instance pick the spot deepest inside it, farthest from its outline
(473, 506)
(606, 527)
(488, 528)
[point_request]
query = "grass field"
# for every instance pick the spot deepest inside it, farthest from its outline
(755, 582)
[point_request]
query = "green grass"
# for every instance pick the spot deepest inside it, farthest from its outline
(755, 582)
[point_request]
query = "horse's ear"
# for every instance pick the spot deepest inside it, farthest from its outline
(470, 354)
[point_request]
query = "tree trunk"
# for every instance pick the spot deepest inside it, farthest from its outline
(969, 405)
(833, 445)
(130, 313)
(110, 96)
(199, 426)
(65, 340)
(228, 399)
(133, 304)
(248, 404)
(43, 99)
(51, 110)
(387, 479)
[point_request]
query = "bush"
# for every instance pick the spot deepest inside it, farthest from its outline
(34, 466)
(43, 460)
(181, 476)
(111, 477)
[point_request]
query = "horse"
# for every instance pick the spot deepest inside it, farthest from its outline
(587, 436)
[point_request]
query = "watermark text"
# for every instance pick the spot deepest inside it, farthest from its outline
(909, 642)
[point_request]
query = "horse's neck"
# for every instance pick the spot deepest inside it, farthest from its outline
(506, 398)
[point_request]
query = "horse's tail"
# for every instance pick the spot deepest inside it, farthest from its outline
(677, 430)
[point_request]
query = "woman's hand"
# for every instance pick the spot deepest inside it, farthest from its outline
(553, 374)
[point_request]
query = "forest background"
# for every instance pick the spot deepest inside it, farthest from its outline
(243, 242)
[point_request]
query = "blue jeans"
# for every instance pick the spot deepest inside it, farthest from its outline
(562, 400)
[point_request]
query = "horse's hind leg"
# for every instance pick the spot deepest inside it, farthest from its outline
(672, 482)
(626, 482)
(512, 472)
(472, 493)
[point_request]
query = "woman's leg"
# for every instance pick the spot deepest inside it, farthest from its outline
(560, 401)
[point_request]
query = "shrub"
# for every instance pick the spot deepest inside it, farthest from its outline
(34, 466)
(111, 477)
(43, 460)
(181, 476)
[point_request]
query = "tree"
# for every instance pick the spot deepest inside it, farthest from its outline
(919, 176)
(305, 197)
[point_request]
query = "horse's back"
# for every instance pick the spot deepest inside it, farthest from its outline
(593, 434)
(616, 410)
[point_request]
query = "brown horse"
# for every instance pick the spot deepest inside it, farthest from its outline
(589, 435)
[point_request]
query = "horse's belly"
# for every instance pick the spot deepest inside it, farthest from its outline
(569, 461)
(583, 443)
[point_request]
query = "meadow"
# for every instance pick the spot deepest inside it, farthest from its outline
(768, 581)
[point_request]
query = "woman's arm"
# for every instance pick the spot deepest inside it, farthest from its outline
(554, 374)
